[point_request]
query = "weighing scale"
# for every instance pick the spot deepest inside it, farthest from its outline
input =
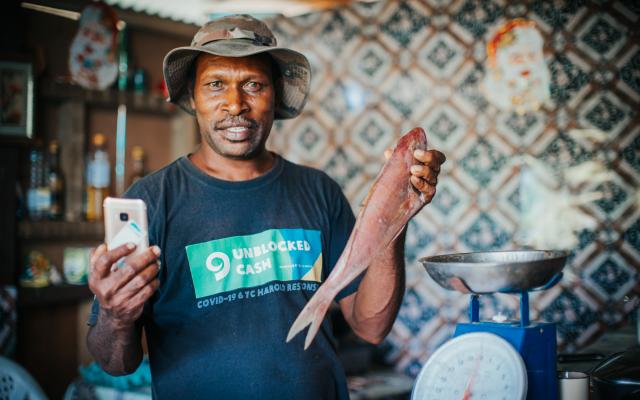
(488, 359)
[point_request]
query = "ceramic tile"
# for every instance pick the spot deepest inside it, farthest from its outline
(587, 243)
(477, 16)
(441, 55)
(630, 73)
(563, 151)
(556, 14)
(605, 111)
(367, 9)
(406, 94)
(404, 23)
(568, 77)
(485, 233)
(445, 127)
(632, 239)
(332, 102)
(601, 37)
(381, 68)
(483, 161)
(343, 166)
(610, 276)
(373, 134)
(617, 196)
(630, 154)
(521, 129)
(469, 87)
(371, 62)
(414, 311)
(337, 33)
(452, 200)
(308, 139)
(629, 9)
(574, 313)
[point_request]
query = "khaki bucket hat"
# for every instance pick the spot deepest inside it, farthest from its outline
(240, 36)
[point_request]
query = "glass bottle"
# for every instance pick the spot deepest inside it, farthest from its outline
(55, 182)
(137, 157)
(38, 194)
(98, 178)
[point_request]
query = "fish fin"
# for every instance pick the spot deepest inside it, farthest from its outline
(304, 319)
(312, 314)
(320, 312)
(394, 222)
(397, 220)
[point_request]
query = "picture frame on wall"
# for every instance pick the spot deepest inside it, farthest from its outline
(16, 99)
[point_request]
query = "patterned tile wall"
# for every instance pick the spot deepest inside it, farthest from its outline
(381, 68)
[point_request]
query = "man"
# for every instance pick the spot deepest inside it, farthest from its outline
(244, 237)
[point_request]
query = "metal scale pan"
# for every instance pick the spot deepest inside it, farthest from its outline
(528, 348)
(497, 271)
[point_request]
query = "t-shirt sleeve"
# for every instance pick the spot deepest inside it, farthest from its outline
(342, 223)
(138, 191)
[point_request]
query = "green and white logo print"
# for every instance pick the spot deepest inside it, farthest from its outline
(232, 263)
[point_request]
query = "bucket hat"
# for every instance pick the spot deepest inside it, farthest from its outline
(240, 36)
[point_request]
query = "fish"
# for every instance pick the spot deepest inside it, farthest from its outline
(390, 203)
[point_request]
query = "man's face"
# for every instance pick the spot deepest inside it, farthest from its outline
(234, 101)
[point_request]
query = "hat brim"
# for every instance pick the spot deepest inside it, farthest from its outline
(292, 88)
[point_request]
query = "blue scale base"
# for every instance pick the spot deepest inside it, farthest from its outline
(536, 343)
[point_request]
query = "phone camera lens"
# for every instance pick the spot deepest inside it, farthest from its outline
(124, 217)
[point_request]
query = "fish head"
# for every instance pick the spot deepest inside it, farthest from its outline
(411, 141)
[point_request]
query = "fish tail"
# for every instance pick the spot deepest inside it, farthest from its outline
(312, 314)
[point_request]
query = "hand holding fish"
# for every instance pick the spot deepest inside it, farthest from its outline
(404, 185)
(424, 175)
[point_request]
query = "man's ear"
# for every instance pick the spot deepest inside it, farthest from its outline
(192, 103)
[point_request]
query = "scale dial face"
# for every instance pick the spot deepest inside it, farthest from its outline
(477, 365)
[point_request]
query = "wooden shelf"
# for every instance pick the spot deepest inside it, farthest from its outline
(61, 231)
(109, 98)
(53, 295)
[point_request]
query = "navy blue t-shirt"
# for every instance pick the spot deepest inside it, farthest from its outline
(239, 262)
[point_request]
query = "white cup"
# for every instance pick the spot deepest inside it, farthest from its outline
(573, 385)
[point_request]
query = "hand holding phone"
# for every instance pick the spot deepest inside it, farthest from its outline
(125, 221)
(122, 291)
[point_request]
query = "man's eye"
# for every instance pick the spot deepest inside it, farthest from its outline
(214, 85)
(253, 86)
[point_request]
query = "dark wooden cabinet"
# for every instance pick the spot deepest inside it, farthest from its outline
(52, 319)
(8, 179)
(49, 337)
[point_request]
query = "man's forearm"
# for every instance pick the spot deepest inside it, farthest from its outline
(379, 295)
(118, 349)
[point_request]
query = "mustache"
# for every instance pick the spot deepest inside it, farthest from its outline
(236, 121)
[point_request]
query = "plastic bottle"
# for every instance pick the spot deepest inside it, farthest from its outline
(137, 157)
(98, 178)
(56, 182)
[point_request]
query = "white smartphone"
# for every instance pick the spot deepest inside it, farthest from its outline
(125, 221)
